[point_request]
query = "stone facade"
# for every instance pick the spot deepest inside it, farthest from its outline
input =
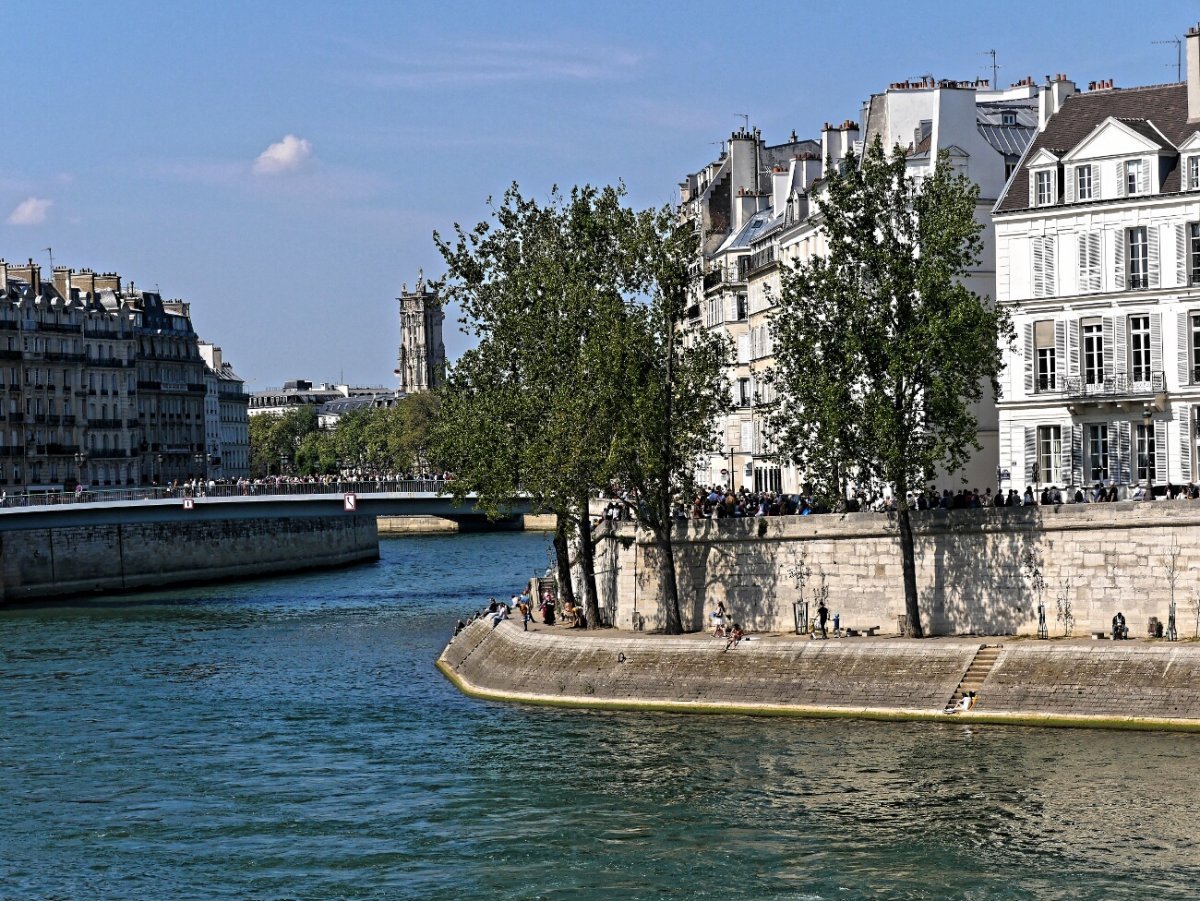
(1104, 558)
(421, 364)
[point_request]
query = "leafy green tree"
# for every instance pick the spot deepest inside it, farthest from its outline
(881, 348)
(276, 438)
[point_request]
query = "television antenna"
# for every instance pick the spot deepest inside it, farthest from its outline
(995, 69)
(745, 117)
(1178, 42)
(50, 251)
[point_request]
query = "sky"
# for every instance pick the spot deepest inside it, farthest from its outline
(283, 166)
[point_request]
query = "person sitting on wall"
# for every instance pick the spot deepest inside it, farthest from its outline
(1119, 629)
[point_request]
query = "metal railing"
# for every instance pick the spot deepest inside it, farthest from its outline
(264, 488)
(1121, 385)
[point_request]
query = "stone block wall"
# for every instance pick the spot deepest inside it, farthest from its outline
(971, 577)
(61, 561)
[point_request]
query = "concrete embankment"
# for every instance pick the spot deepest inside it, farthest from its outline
(61, 561)
(437, 525)
(1131, 685)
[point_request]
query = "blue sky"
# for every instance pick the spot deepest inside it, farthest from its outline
(283, 165)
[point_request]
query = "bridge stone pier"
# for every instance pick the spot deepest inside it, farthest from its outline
(71, 548)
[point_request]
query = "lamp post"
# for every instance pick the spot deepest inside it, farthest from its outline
(158, 459)
(80, 463)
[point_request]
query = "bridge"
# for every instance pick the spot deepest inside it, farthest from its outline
(231, 502)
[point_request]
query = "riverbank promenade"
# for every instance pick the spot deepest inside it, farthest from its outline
(1138, 684)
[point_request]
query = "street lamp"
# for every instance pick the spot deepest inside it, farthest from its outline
(158, 470)
(80, 462)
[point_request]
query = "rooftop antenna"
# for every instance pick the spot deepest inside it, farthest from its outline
(1178, 42)
(995, 69)
(745, 120)
(722, 143)
(50, 251)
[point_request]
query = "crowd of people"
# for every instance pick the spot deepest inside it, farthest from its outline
(523, 604)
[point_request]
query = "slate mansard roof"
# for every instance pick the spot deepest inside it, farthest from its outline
(1147, 110)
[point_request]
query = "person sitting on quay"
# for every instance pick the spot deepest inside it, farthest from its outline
(1119, 629)
(735, 635)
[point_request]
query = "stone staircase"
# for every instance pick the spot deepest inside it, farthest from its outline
(977, 672)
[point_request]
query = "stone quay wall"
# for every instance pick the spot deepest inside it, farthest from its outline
(1049, 683)
(61, 561)
(1101, 558)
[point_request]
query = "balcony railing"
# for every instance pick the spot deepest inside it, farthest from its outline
(759, 260)
(1115, 386)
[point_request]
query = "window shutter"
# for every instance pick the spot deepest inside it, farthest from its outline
(1144, 181)
(1106, 332)
(1039, 266)
(1073, 348)
(748, 437)
(1064, 454)
(1152, 254)
(731, 308)
(1184, 359)
(1160, 451)
(1031, 473)
(1070, 174)
(1076, 454)
(1049, 285)
(1060, 352)
(1123, 453)
(1156, 349)
(1032, 176)
(1180, 255)
(743, 349)
(1185, 443)
(1029, 358)
(1120, 347)
(1120, 178)
(1119, 260)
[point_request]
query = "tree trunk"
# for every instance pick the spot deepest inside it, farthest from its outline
(587, 565)
(667, 581)
(908, 557)
(562, 553)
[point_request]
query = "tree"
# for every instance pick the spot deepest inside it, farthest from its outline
(275, 439)
(666, 388)
(883, 347)
(528, 409)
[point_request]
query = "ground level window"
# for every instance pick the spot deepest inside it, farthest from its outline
(1097, 447)
(1049, 452)
(1145, 452)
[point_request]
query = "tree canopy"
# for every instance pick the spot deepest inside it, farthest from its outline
(881, 348)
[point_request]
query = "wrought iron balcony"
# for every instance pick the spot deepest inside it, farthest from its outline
(1115, 387)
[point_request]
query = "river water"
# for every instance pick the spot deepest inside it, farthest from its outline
(292, 739)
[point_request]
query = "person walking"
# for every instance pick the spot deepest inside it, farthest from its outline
(823, 618)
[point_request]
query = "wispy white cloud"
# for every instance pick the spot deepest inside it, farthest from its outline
(30, 211)
(484, 63)
(287, 155)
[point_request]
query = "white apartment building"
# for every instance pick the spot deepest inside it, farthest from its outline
(1098, 259)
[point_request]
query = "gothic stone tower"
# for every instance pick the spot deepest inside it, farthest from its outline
(422, 354)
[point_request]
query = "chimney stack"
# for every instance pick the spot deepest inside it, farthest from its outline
(1193, 73)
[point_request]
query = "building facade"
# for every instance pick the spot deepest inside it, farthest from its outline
(227, 420)
(1098, 240)
(422, 359)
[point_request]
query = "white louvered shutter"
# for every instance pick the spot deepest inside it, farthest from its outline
(1031, 473)
(1032, 176)
(1120, 178)
(1106, 333)
(1160, 451)
(1119, 260)
(1064, 454)
(1180, 255)
(748, 437)
(1060, 353)
(1049, 285)
(1183, 346)
(1152, 255)
(1185, 443)
(1039, 266)
(1156, 352)
(1144, 181)
(1070, 173)
(1073, 348)
(1120, 347)
(1123, 453)
(743, 349)
(1076, 454)
(1095, 260)
(1029, 358)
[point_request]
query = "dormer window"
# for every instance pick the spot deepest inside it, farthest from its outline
(1044, 188)
(1083, 183)
(1008, 117)
(1133, 177)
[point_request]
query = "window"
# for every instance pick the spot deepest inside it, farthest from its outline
(1008, 117)
(1093, 352)
(1193, 256)
(1193, 173)
(1049, 451)
(1195, 321)
(1139, 257)
(1083, 182)
(1097, 448)
(1089, 262)
(1046, 364)
(1010, 166)
(741, 306)
(1139, 348)
(743, 392)
(1145, 452)
(1133, 176)
(1045, 188)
